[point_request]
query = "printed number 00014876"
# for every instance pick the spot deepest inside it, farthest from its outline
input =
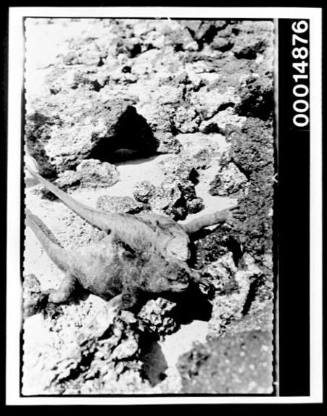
(300, 53)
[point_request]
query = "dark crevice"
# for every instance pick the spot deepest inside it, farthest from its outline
(246, 173)
(254, 285)
(135, 50)
(224, 106)
(132, 138)
(193, 305)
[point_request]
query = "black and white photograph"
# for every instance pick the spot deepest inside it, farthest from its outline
(150, 162)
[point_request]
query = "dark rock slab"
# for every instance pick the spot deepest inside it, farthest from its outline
(239, 363)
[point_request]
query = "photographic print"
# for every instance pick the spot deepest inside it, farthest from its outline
(150, 173)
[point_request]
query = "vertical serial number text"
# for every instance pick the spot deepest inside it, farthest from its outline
(300, 76)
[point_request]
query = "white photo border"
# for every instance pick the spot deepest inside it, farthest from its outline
(15, 97)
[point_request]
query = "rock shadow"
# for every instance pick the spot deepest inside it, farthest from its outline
(37, 132)
(193, 305)
(154, 361)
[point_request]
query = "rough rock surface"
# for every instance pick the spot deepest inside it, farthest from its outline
(157, 315)
(176, 195)
(89, 172)
(232, 364)
(228, 181)
(144, 191)
(122, 204)
(257, 97)
(66, 130)
(175, 117)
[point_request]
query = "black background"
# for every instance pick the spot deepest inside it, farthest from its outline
(291, 223)
(292, 230)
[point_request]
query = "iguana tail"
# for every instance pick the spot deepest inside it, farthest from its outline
(124, 226)
(92, 216)
(56, 253)
(197, 224)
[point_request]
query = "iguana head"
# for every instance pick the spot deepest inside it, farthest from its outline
(176, 246)
(163, 274)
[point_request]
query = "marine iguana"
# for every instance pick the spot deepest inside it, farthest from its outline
(142, 253)
(169, 237)
(111, 269)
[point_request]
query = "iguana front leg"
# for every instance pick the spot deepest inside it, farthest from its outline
(207, 220)
(64, 291)
(36, 300)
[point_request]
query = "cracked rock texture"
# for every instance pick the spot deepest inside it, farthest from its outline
(169, 116)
